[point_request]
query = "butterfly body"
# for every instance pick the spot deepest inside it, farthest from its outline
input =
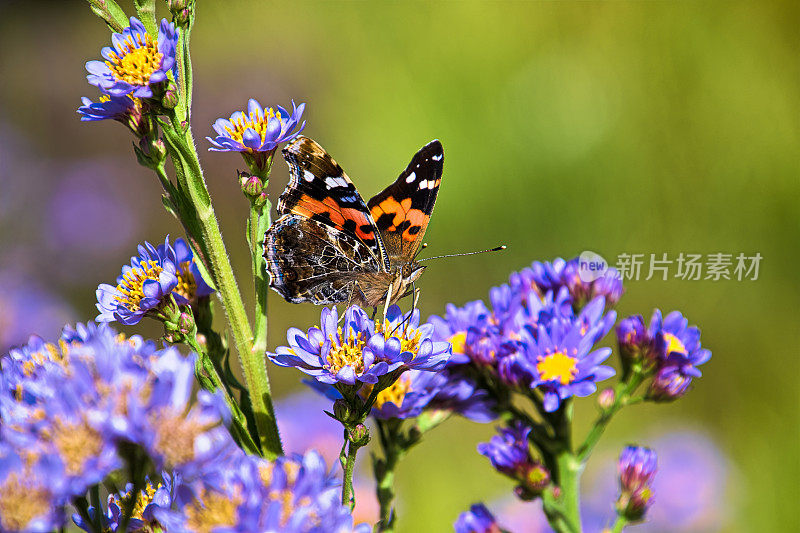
(329, 246)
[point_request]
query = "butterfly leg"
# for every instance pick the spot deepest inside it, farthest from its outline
(388, 299)
(374, 312)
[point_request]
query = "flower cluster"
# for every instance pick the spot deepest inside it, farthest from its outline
(362, 352)
(155, 279)
(669, 348)
(531, 340)
(257, 133)
(240, 494)
(78, 410)
(637, 468)
(136, 63)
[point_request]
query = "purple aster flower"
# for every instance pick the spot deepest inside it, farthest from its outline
(144, 287)
(455, 325)
(27, 501)
(135, 62)
(361, 352)
(637, 468)
(153, 497)
(543, 277)
(558, 355)
(417, 391)
(694, 493)
(258, 132)
(126, 109)
(477, 520)
(510, 455)
(294, 494)
(679, 353)
(191, 284)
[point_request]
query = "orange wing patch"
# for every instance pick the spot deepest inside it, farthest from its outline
(339, 216)
(409, 221)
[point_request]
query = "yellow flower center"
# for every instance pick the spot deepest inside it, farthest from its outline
(130, 288)
(176, 433)
(557, 366)
(144, 498)
(674, 344)
(187, 285)
(76, 444)
(257, 122)
(210, 511)
(347, 353)
(138, 60)
(395, 392)
(459, 342)
(21, 501)
(409, 337)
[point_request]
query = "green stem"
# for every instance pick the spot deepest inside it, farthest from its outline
(619, 525)
(622, 397)
(569, 472)
(348, 497)
(111, 13)
(257, 224)
(255, 371)
(384, 472)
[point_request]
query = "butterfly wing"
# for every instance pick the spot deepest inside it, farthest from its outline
(402, 211)
(319, 190)
(309, 260)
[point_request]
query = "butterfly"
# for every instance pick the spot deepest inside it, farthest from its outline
(329, 246)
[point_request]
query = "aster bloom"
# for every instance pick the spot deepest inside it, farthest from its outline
(143, 288)
(75, 402)
(27, 501)
(258, 132)
(361, 352)
(543, 277)
(295, 494)
(637, 468)
(509, 453)
(191, 284)
(477, 520)
(126, 109)
(136, 62)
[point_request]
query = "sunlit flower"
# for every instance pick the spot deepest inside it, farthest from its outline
(126, 109)
(361, 351)
(135, 62)
(560, 358)
(477, 520)
(191, 284)
(294, 494)
(257, 132)
(146, 285)
(637, 468)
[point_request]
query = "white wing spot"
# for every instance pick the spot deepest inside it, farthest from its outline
(331, 182)
(308, 176)
(411, 177)
(437, 157)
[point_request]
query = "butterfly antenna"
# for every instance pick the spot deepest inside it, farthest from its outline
(496, 249)
(422, 247)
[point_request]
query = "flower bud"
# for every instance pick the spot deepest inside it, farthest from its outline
(636, 344)
(150, 152)
(186, 323)
(606, 398)
(533, 482)
(637, 468)
(668, 385)
(252, 186)
(170, 98)
(341, 411)
(359, 435)
(181, 11)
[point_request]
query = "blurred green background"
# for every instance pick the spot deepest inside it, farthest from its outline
(615, 127)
